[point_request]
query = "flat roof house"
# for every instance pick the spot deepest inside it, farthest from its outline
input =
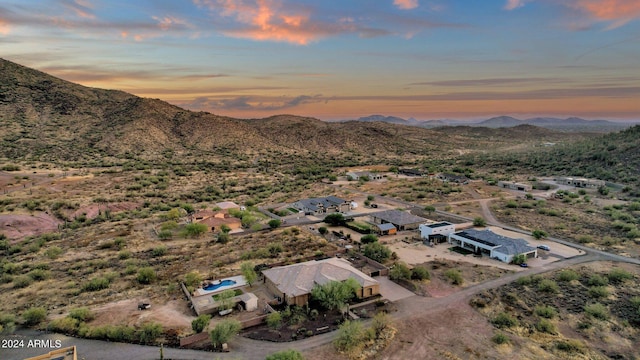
(356, 175)
(385, 229)
(436, 232)
(580, 182)
(402, 220)
(514, 186)
(293, 283)
(494, 245)
(323, 205)
(220, 218)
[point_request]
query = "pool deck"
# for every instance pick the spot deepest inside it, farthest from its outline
(240, 281)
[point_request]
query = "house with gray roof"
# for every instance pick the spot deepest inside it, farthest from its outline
(323, 205)
(402, 220)
(357, 175)
(494, 245)
(293, 283)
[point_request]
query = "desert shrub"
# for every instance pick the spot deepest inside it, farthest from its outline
(124, 255)
(81, 314)
(618, 275)
(66, 325)
(548, 285)
(504, 320)
(546, 311)
(583, 239)
(149, 332)
(368, 239)
(22, 281)
(120, 333)
(349, 336)
(193, 278)
(34, 316)
(286, 355)
(500, 338)
(146, 275)
(597, 311)
(479, 222)
(598, 291)
(519, 259)
(568, 275)
(420, 273)
(380, 322)
(168, 225)
(597, 280)
(53, 252)
(400, 271)
(274, 223)
(96, 284)
(570, 346)
(194, 229)
(546, 326)
(39, 274)
(274, 320)
(159, 251)
(525, 280)
(165, 234)
(200, 323)
(224, 331)
(7, 323)
(455, 276)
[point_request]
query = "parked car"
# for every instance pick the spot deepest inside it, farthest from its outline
(375, 206)
(524, 265)
(544, 247)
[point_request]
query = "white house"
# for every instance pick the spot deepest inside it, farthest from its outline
(436, 232)
(495, 246)
(356, 175)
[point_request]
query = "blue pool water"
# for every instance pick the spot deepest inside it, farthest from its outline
(222, 283)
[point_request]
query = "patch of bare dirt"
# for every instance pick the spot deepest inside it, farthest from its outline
(16, 226)
(173, 314)
(93, 210)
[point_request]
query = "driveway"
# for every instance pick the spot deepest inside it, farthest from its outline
(392, 291)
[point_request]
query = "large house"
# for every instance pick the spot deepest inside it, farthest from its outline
(514, 186)
(436, 232)
(323, 205)
(215, 219)
(293, 283)
(580, 182)
(494, 245)
(402, 220)
(357, 175)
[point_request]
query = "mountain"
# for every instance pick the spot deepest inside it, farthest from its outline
(500, 121)
(388, 119)
(46, 118)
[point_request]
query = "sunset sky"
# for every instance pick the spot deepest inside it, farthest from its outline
(341, 59)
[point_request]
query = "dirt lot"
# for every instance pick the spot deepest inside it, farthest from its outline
(18, 226)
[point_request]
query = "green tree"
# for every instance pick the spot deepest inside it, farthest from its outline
(34, 316)
(323, 230)
(146, 275)
(194, 229)
(377, 252)
(334, 219)
(224, 228)
(200, 323)
(274, 320)
(225, 299)
(479, 222)
(368, 239)
(400, 271)
(224, 331)
(149, 332)
(286, 355)
(193, 278)
(519, 259)
(335, 294)
(420, 273)
(429, 209)
(539, 234)
(349, 336)
(455, 276)
(223, 237)
(274, 223)
(249, 274)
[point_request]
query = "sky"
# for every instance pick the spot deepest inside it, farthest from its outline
(343, 59)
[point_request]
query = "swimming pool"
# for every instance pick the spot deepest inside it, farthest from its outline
(216, 286)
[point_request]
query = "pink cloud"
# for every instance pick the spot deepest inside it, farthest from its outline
(514, 4)
(266, 20)
(406, 4)
(81, 8)
(618, 11)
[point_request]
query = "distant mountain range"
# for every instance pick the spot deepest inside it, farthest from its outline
(568, 124)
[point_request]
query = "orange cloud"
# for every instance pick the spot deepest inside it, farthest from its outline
(620, 11)
(266, 20)
(406, 4)
(82, 8)
(513, 4)
(4, 27)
